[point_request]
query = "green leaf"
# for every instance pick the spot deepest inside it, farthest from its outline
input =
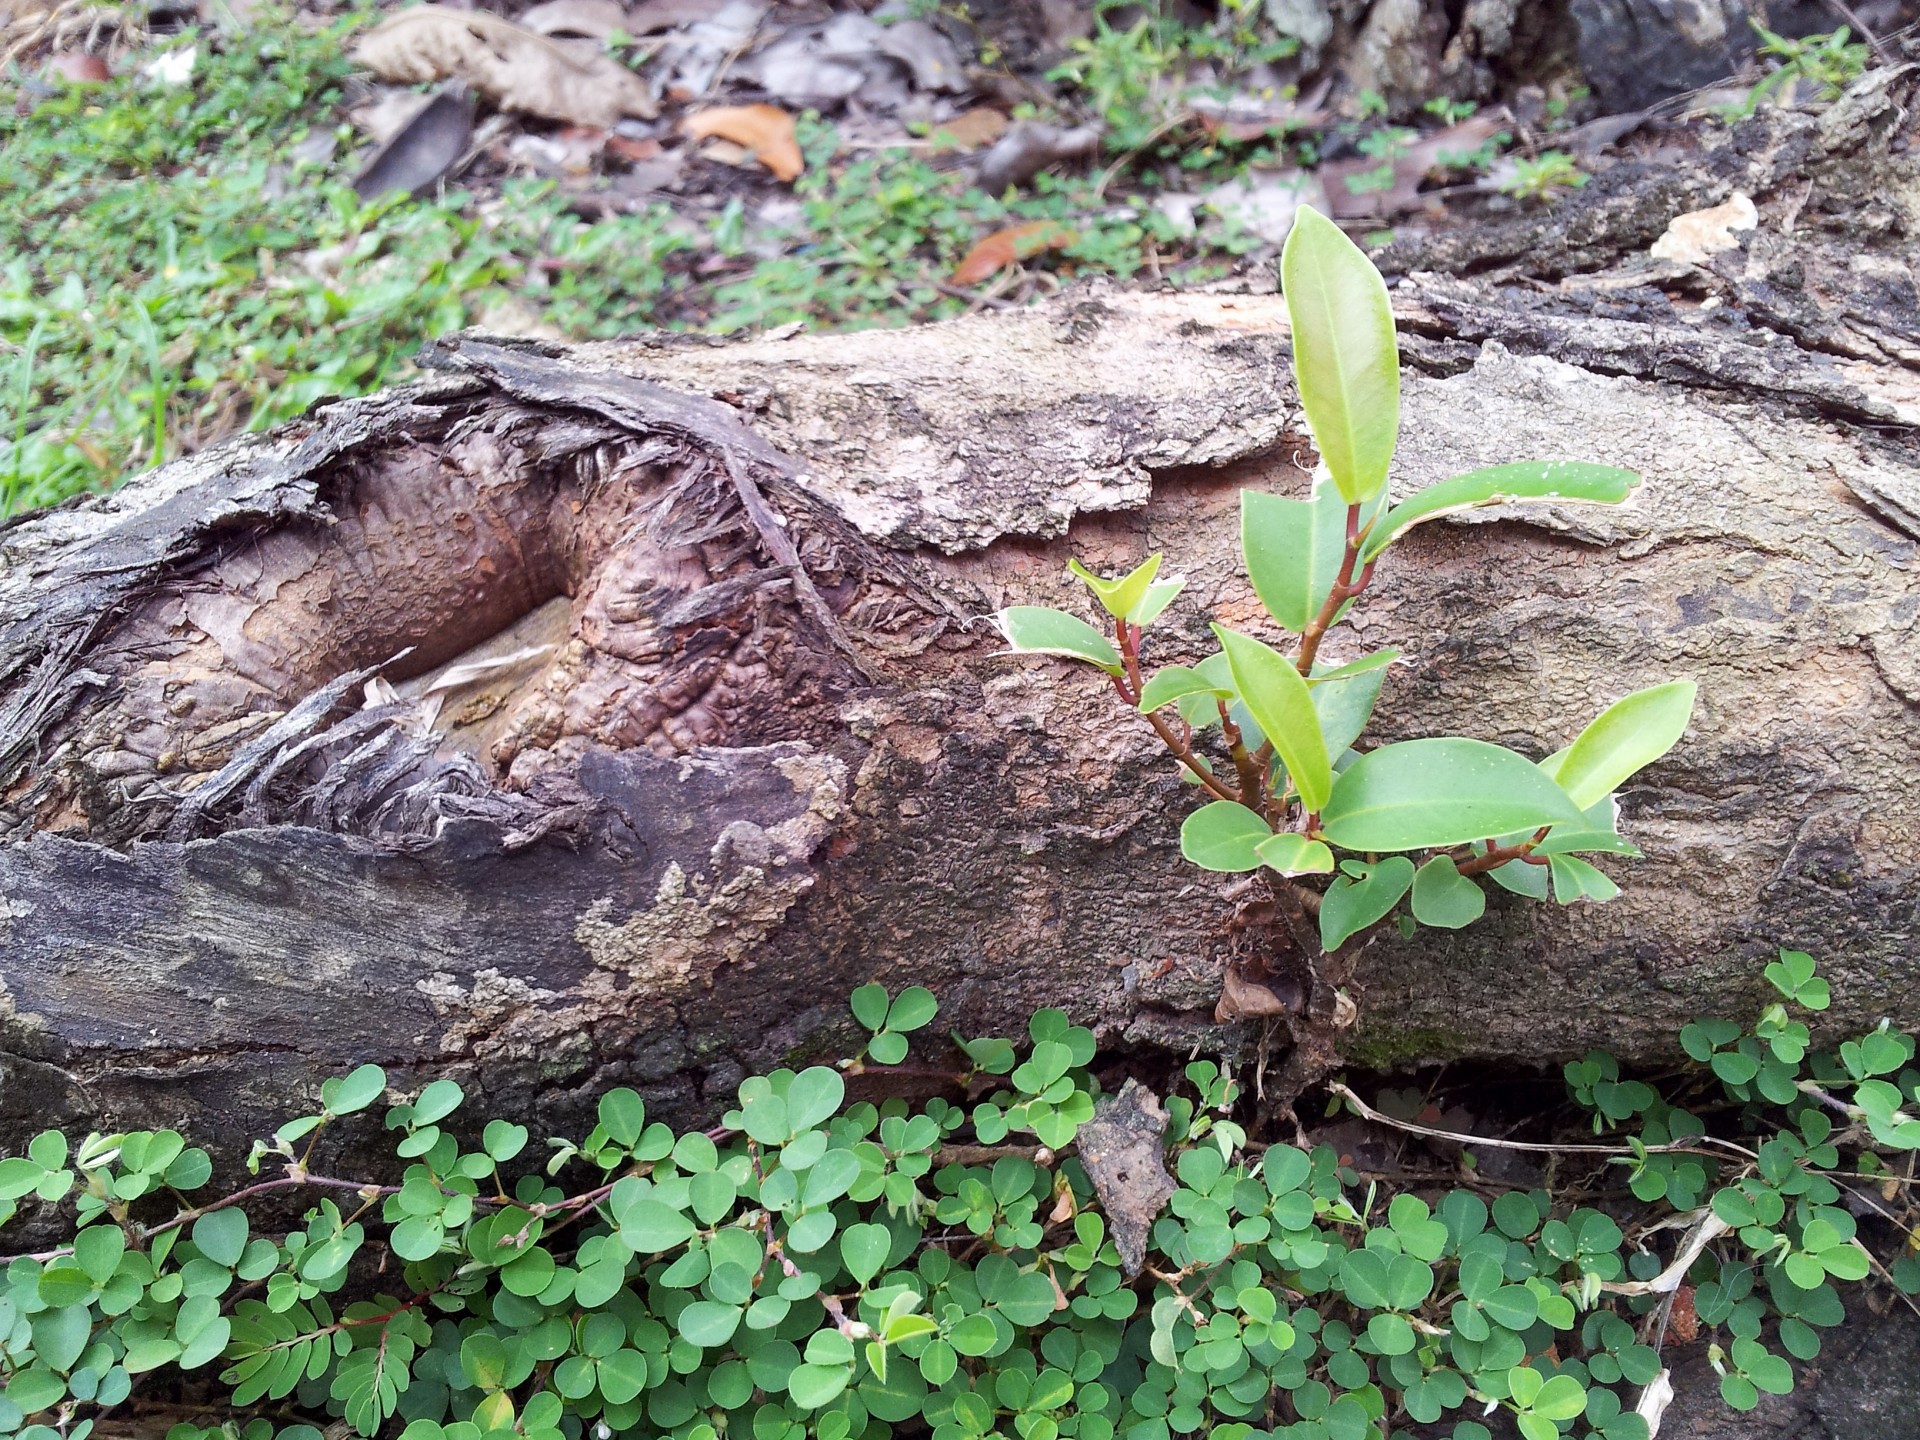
(1120, 598)
(1561, 841)
(1627, 736)
(812, 1386)
(1273, 692)
(870, 1006)
(709, 1324)
(502, 1140)
(650, 1226)
(346, 1094)
(59, 1335)
(1293, 854)
(1173, 682)
(1561, 1398)
(97, 1250)
(887, 1048)
(1344, 706)
(1159, 595)
(1036, 630)
(1224, 836)
(1444, 898)
(973, 1334)
(418, 1237)
(1350, 905)
(483, 1359)
(813, 1097)
(1378, 660)
(437, 1101)
(1345, 359)
(222, 1235)
(1521, 878)
(64, 1283)
(35, 1389)
(914, 1008)
(1422, 794)
(864, 1249)
(1293, 550)
(18, 1176)
(622, 1113)
(1497, 484)
(1574, 879)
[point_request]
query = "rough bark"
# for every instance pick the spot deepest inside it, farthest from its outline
(605, 714)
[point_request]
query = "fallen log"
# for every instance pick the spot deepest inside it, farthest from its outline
(603, 715)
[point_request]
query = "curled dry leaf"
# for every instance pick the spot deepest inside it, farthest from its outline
(979, 126)
(1029, 147)
(1009, 247)
(422, 150)
(595, 19)
(764, 130)
(512, 66)
(77, 67)
(1123, 1150)
(1359, 188)
(1692, 237)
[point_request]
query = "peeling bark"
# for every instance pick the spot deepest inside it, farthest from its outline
(598, 715)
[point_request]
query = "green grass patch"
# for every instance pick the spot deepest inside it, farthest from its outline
(176, 273)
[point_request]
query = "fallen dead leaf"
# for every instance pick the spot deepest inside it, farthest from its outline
(1265, 202)
(1683, 1320)
(513, 67)
(1690, 238)
(595, 19)
(765, 130)
(623, 147)
(77, 67)
(1009, 247)
(650, 17)
(1122, 1148)
(1030, 147)
(1654, 1401)
(422, 150)
(1362, 188)
(979, 126)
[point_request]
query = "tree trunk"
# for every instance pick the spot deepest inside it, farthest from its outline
(598, 715)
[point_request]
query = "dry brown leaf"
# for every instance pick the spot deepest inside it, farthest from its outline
(1009, 247)
(1409, 168)
(512, 66)
(1700, 233)
(1123, 1151)
(979, 126)
(596, 19)
(765, 130)
(77, 67)
(650, 17)
(622, 147)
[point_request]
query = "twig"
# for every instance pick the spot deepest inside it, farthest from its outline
(773, 534)
(1676, 1147)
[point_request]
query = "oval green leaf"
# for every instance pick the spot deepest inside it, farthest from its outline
(1174, 682)
(1623, 739)
(1293, 550)
(1345, 358)
(1279, 700)
(1120, 597)
(1351, 905)
(1497, 484)
(1036, 630)
(1422, 794)
(1574, 879)
(1224, 836)
(1293, 854)
(1444, 898)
